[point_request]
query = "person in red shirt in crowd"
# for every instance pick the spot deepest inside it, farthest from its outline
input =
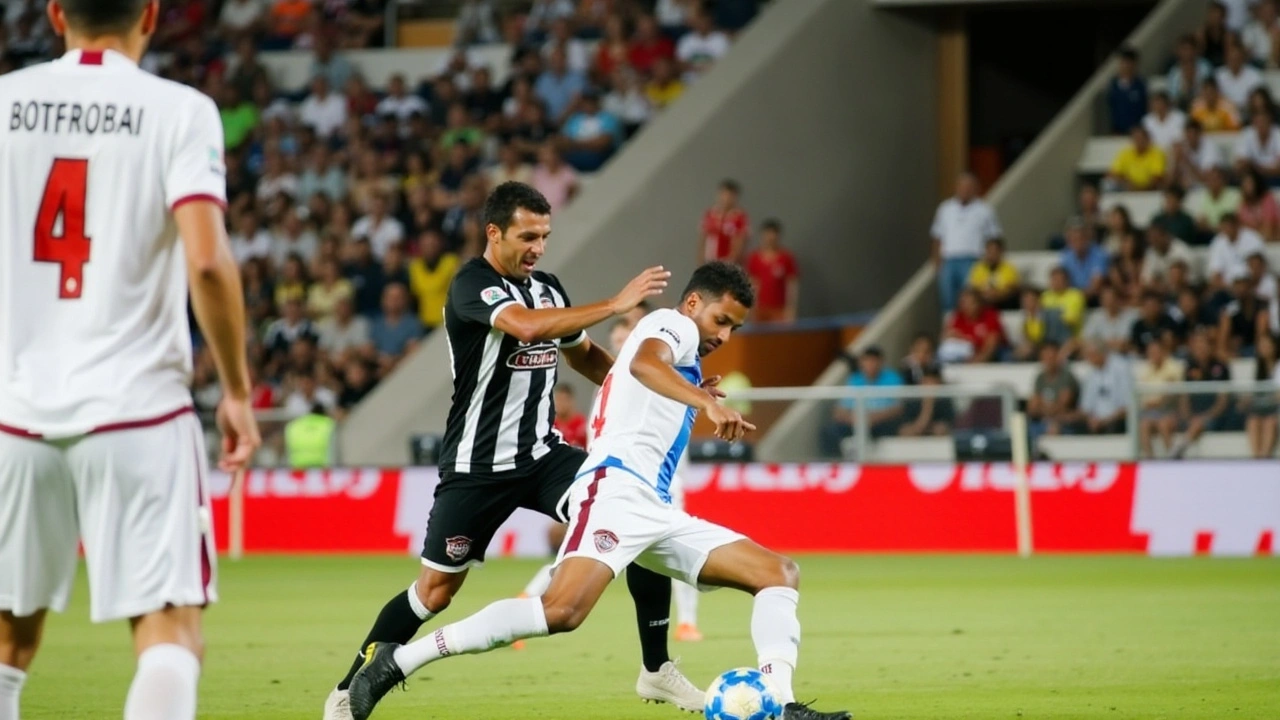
(570, 422)
(649, 44)
(180, 22)
(775, 275)
(614, 50)
(974, 333)
(724, 227)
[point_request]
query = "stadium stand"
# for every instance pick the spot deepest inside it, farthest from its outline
(355, 173)
(1226, 290)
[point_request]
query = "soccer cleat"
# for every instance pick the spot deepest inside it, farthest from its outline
(377, 677)
(338, 705)
(669, 685)
(688, 632)
(802, 711)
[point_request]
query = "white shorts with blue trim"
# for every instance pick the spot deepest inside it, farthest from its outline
(617, 519)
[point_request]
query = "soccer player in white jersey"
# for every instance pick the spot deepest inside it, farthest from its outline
(102, 168)
(685, 595)
(620, 508)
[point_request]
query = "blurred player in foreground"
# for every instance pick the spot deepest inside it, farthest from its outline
(102, 168)
(621, 508)
(686, 595)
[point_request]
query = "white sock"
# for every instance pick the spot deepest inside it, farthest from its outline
(539, 583)
(416, 604)
(499, 624)
(686, 597)
(164, 686)
(775, 630)
(11, 681)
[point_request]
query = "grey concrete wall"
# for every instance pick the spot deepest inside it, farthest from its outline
(824, 110)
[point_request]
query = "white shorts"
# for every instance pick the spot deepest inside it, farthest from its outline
(617, 519)
(137, 499)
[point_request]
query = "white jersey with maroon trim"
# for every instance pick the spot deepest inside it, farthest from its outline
(95, 154)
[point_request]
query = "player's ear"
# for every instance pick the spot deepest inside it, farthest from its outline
(492, 233)
(150, 17)
(57, 18)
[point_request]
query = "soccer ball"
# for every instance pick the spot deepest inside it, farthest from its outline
(742, 694)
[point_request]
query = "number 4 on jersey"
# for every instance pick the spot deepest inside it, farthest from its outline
(597, 425)
(64, 196)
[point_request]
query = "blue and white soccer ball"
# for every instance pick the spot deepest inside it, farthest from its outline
(742, 694)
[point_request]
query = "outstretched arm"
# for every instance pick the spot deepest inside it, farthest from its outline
(530, 325)
(654, 367)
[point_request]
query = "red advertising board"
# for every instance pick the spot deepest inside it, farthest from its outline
(1159, 508)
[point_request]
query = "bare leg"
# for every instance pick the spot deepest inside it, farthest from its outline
(169, 646)
(1268, 433)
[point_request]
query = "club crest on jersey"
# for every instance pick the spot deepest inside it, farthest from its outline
(533, 357)
(606, 541)
(546, 300)
(457, 547)
(493, 295)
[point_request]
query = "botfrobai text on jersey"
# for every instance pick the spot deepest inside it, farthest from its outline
(74, 117)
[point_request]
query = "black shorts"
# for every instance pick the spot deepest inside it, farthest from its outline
(468, 508)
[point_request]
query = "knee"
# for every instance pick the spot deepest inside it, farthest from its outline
(789, 573)
(784, 572)
(435, 591)
(563, 617)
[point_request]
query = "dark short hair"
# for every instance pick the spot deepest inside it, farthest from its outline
(773, 224)
(1049, 343)
(1128, 53)
(717, 279)
(1193, 124)
(1229, 217)
(731, 185)
(501, 205)
(1176, 191)
(874, 351)
(996, 241)
(103, 16)
(565, 388)
(1152, 295)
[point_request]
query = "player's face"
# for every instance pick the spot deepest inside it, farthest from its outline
(716, 319)
(522, 245)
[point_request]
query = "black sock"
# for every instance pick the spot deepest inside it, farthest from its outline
(652, 595)
(397, 623)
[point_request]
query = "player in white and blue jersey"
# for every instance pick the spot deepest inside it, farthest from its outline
(621, 511)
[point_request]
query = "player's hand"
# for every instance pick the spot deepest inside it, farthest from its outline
(239, 430)
(710, 386)
(650, 282)
(729, 423)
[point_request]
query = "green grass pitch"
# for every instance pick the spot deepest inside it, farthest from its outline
(885, 636)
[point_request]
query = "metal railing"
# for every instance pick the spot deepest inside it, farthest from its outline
(859, 396)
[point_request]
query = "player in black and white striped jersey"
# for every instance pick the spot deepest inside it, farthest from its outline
(506, 324)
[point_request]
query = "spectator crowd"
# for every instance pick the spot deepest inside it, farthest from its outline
(1175, 301)
(351, 207)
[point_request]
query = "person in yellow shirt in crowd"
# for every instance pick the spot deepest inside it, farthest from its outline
(1140, 165)
(995, 278)
(1214, 112)
(1068, 301)
(429, 276)
(665, 86)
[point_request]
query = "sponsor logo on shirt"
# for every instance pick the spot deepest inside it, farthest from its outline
(533, 357)
(671, 333)
(493, 295)
(216, 164)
